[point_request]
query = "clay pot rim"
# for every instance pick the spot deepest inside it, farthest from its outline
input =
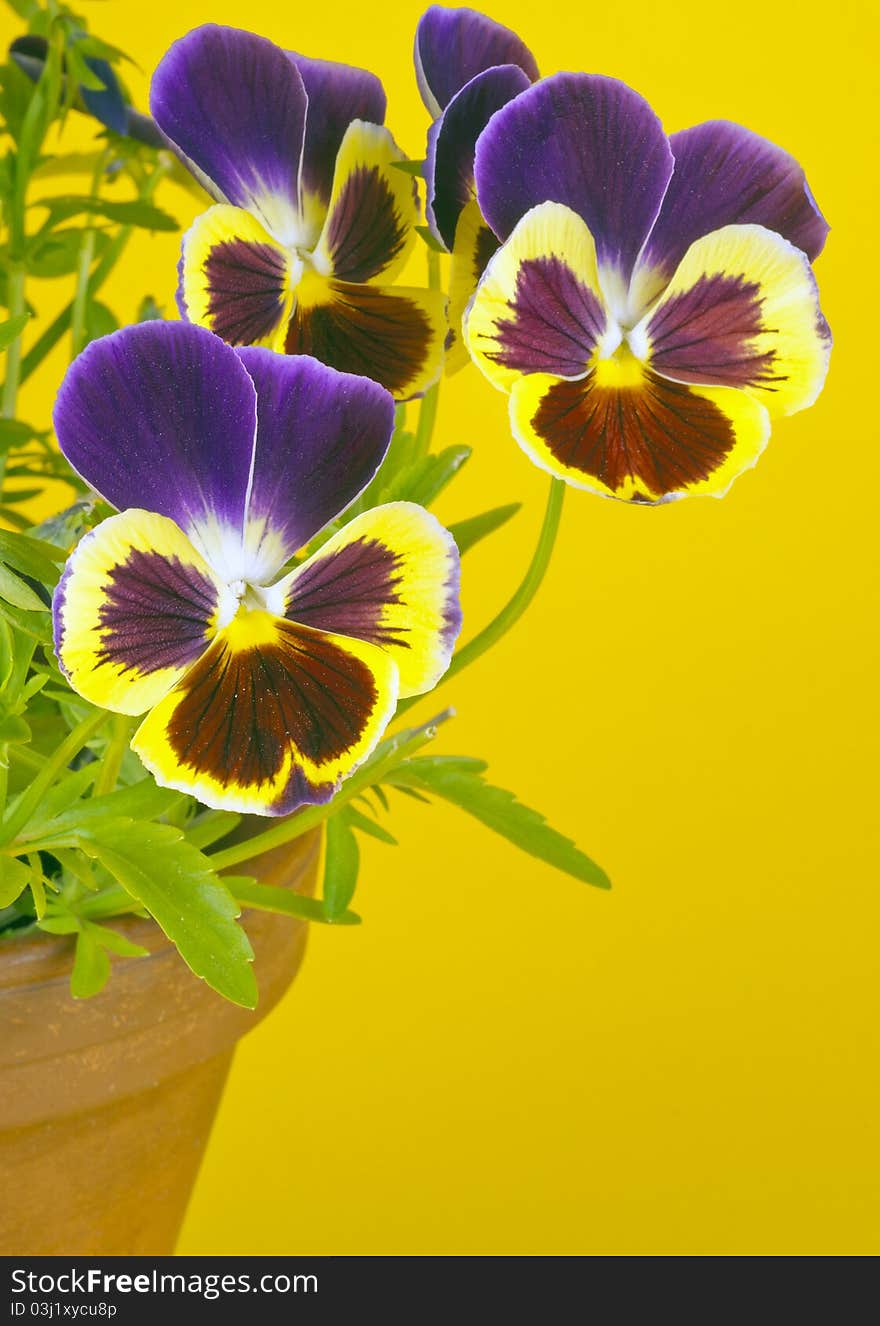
(41, 960)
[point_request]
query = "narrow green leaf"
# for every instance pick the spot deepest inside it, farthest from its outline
(134, 213)
(91, 966)
(268, 898)
(116, 943)
(468, 532)
(56, 253)
(452, 779)
(358, 820)
(143, 801)
(16, 592)
(33, 557)
(410, 167)
(175, 883)
(12, 328)
(341, 863)
(434, 474)
(14, 879)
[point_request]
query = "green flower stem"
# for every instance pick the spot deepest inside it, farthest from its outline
(296, 825)
(113, 755)
(80, 304)
(517, 605)
(16, 304)
(431, 398)
(33, 795)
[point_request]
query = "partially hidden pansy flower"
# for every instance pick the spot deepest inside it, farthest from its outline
(313, 219)
(652, 307)
(467, 67)
(261, 690)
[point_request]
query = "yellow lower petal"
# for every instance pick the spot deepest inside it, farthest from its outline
(633, 435)
(271, 717)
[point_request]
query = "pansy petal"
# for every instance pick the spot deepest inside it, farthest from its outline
(741, 311)
(474, 245)
(587, 141)
(452, 46)
(625, 432)
(392, 334)
(373, 209)
(272, 716)
(234, 105)
(338, 94)
(163, 415)
(235, 279)
(136, 606)
(538, 307)
(727, 175)
(390, 577)
(321, 436)
(449, 166)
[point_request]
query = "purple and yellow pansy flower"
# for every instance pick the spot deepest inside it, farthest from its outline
(261, 690)
(467, 67)
(652, 307)
(313, 220)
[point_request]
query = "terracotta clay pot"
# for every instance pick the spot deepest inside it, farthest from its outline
(106, 1104)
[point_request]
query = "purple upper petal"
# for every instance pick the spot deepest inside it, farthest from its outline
(162, 416)
(454, 45)
(725, 175)
(584, 140)
(321, 436)
(235, 107)
(449, 168)
(338, 94)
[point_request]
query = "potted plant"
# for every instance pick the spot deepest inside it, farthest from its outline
(208, 650)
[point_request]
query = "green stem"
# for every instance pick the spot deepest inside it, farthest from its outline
(113, 755)
(32, 796)
(517, 605)
(294, 827)
(431, 398)
(16, 302)
(80, 304)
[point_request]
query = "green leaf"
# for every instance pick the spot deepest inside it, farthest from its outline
(57, 253)
(14, 879)
(410, 167)
(32, 557)
(15, 433)
(91, 966)
(116, 943)
(100, 320)
(149, 310)
(133, 213)
(7, 652)
(460, 781)
(358, 820)
(64, 794)
(142, 801)
(19, 594)
(12, 328)
(434, 473)
(175, 883)
(38, 626)
(269, 898)
(341, 863)
(14, 731)
(468, 532)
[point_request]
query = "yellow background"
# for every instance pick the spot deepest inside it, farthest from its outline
(501, 1060)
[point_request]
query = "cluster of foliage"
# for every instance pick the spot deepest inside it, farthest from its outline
(86, 835)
